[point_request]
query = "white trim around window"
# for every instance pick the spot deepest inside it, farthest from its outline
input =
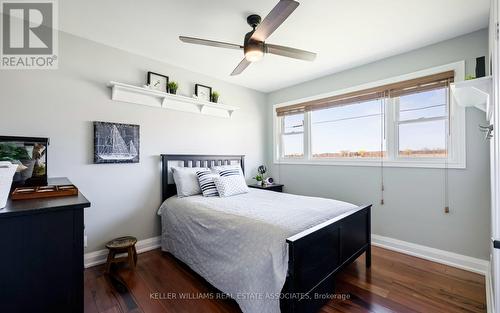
(456, 142)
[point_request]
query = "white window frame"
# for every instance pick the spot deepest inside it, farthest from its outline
(456, 140)
(282, 134)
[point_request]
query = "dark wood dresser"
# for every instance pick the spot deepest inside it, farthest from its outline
(41, 254)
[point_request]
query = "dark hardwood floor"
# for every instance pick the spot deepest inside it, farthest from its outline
(395, 283)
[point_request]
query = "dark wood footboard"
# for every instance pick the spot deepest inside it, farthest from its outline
(317, 254)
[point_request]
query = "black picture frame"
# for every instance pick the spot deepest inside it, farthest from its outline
(197, 86)
(22, 179)
(116, 143)
(157, 74)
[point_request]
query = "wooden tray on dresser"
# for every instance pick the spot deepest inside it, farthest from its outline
(25, 193)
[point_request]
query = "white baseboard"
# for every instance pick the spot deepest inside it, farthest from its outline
(436, 255)
(99, 257)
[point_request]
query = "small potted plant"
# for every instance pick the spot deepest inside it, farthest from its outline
(215, 96)
(172, 87)
(261, 170)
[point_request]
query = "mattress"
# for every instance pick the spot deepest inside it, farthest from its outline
(238, 243)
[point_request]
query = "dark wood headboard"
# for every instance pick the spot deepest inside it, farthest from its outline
(192, 160)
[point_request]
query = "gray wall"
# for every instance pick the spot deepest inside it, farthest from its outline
(414, 197)
(61, 104)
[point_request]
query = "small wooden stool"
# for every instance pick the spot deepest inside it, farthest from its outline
(122, 245)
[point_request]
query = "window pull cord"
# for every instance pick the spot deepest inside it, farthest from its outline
(446, 182)
(382, 137)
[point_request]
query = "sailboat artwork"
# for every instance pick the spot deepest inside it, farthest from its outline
(116, 143)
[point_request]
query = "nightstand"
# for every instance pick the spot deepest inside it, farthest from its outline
(273, 187)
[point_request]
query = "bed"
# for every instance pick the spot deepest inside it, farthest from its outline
(269, 251)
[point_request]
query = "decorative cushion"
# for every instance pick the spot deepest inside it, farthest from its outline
(228, 170)
(230, 185)
(186, 180)
(206, 182)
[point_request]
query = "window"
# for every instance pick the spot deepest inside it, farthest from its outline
(349, 131)
(292, 136)
(410, 122)
(422, 124)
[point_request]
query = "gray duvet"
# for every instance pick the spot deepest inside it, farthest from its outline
(238, 243)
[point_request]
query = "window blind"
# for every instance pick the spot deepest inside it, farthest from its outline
(398, 89)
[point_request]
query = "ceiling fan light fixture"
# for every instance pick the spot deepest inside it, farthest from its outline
(254, 51)
(254, 55)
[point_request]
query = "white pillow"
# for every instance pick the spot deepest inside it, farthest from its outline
(230, 185)
(186, 180)
(227, 170)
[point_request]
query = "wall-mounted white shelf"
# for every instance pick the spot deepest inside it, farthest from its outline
(158, 99)
(474, 93)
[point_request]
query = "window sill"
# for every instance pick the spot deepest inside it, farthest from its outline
(377, 163)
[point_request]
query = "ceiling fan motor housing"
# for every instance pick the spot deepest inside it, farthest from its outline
(254, 20)
(253, 48)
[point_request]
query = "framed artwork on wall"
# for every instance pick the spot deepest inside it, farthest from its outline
(116, 143)
(203, 92)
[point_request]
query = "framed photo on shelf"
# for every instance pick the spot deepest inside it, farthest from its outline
(203, 92)
(158, 81)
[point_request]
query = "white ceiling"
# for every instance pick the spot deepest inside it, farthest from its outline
(344, 33)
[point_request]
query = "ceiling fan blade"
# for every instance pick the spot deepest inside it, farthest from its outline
(290, 52)
(212, 43)
(274, 19)
(241, 67)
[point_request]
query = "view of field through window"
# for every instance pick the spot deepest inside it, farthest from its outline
(423, 120)
(357, 130)
(352, 131)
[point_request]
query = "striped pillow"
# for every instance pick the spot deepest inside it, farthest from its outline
(207, 185)
(228, 170)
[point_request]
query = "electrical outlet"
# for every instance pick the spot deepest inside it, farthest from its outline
(85, 241)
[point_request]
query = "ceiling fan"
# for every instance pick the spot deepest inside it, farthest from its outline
(254, 46)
